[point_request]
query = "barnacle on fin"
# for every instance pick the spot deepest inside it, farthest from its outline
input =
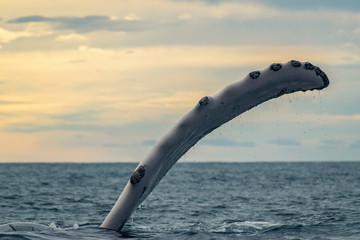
(275, 67)
(309, 66)
(137, 175)
(320, 72)
(295, 63)
(204, 101)
(254, 74)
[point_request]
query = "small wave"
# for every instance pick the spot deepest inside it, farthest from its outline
(258, 224)
(283, 227)
(53, 226)
(245, 227)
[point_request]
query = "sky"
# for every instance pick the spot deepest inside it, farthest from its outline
(102, 81)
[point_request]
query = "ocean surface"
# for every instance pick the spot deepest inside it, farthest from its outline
(193, 201)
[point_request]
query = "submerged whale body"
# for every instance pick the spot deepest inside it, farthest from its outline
(208, 114)
(23, 227)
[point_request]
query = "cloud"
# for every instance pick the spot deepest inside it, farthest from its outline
(284, 142)
(77, 61)
(132, 17)
(36, 128)
(352, 5)
(340, 118)
(356, 32)
(246, 144)
(86, 24)
(9, 102)
(94, 50)
(31, 30)
(149, 142)
(29, 19)
(71, 38)
(84, 116)
(356, 144)
(8, 36)
(185, 17)
(225, 142)
(114, 145)
(333, 142)
(224, 23)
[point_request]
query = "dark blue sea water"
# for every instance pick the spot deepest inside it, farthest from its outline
(194, 201)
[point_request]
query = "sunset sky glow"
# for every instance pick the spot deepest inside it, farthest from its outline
(102, 81)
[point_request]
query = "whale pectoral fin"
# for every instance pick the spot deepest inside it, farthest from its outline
(208, 114)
